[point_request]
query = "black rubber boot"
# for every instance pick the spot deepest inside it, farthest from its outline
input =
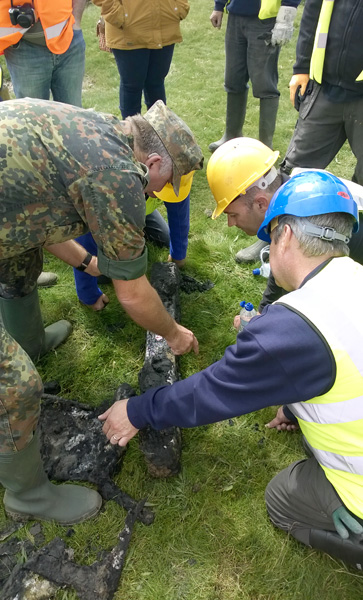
(268, 116)
(30, 495)
(23, 320)
(349, 550)
(235, 118)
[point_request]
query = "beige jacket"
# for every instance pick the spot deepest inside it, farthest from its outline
(152, 24)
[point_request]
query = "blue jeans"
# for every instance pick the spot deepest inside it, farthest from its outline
(142, 70)
(35, 71)
(156, 230)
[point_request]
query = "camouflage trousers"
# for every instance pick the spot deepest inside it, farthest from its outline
(20, 393)
(19, 274)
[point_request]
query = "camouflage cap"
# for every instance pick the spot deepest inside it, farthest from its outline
(178, 140)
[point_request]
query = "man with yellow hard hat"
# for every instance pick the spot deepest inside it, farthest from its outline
(172, 235)
(242, 177)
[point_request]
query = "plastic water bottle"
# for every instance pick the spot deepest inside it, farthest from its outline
(264, 269)
(246, 314)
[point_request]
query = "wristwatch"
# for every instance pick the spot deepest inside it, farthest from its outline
(84, 264)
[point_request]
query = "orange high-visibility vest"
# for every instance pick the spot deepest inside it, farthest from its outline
(56, 18)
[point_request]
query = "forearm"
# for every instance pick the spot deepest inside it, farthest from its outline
(142, 303)
(78, 7)
(73, 254)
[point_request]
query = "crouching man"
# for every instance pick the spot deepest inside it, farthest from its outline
(311, 352)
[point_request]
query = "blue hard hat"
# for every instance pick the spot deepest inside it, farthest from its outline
(307, 194)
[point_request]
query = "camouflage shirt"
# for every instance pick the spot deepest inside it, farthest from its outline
(64, 171)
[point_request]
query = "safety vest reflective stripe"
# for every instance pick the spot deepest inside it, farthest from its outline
(4, 31)
(326, 414)
(321, 37)
(55, 30)
(338, 462)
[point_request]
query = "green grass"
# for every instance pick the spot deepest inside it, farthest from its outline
(211, 539)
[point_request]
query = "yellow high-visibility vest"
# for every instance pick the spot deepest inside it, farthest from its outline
(320, 41)
(269, 9)
(333, 423)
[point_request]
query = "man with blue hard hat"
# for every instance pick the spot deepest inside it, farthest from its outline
(311, 352)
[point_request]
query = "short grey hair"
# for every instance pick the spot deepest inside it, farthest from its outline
(148, 141)
(314, 246)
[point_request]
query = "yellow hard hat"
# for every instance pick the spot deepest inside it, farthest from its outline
(235, 166)
(167, 194)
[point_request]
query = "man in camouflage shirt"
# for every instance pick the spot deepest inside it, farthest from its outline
(65, 171)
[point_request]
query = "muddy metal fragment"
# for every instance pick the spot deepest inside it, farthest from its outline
(162, 449)
(55, 564)
(74, 448)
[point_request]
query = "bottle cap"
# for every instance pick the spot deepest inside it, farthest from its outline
(243, 303)
(256, 271)
(249, 306)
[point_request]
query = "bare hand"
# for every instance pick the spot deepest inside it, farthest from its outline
(237, 322)
(179, 263)
(216, 18)
(301, 80)
(92, 268)
(281, 422)
(183, 341)
(117, 426)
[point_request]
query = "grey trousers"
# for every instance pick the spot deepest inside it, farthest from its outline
(322, 129)
(301, 498)
(248, 57)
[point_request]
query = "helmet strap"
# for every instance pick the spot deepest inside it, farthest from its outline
(328, 234)
(263, 182)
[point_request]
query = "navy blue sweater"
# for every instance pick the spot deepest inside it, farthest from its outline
(278, 359)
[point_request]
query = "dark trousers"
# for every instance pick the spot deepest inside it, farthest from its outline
(142, 70)
(249, 58)
(322, 128)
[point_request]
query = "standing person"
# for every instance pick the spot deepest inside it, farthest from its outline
(255, 31)
(66, 170)
(45, 53)
(142, 36)
(328, 84)
(318, 500)
(44, 48)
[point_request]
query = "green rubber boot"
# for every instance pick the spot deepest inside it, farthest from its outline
(268, 116)
(23, 320)
(30, 495)
(235, 118)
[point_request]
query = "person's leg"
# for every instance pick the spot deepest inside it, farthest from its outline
(300, 498)
(159, 65)
(353, 120)
(68, 72)
(132, 66)
(30, 67)
(87, 288)
(178, 221)
(235, 80)
(262, 63)
(20, 308)
(156, 229)
(319, 133)
(28, 492)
